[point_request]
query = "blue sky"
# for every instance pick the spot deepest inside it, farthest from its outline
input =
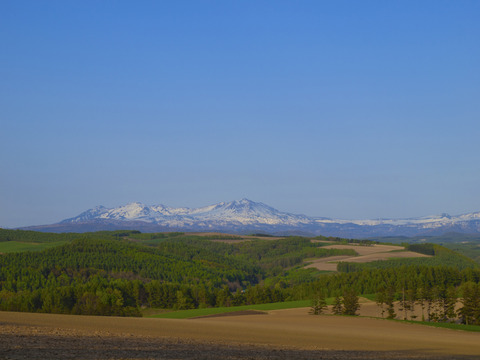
(346, 109)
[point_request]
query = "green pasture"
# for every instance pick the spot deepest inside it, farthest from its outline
(452, 326)
(186, 314)
(18, 246)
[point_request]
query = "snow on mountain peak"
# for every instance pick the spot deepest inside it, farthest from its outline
(239, 212)
(248, 214)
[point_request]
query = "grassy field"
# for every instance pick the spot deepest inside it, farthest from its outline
(187, 314)
(474, 328)
(365, 310)
(18, 246)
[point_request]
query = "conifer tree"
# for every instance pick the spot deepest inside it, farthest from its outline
(350, 302)
(470, 312)
(337, 306)
(319, 304)
(411, 295)
(389, 301)
(449, 303)
(380, 299)
(421, 301)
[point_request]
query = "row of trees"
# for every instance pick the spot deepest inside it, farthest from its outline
(126, 298)
(368, 281)
(80, 291)
(437, 304)
(347, 304)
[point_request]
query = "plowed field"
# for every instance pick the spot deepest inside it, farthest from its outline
(282, 334)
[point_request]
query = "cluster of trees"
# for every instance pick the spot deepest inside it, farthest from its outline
(186, 266)
(368, 281)
(470, 312)
(160, 295)
(436, 290)
(89, 293)
(438, 304)
(101, 294)
(426, 249)
(346, 304)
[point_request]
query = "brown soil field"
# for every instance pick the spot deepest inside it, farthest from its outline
(365, 254)
(281, 334)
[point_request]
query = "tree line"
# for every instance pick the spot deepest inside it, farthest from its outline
(119, 273)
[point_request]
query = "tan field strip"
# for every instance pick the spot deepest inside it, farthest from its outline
(292, 328)
(365, 254)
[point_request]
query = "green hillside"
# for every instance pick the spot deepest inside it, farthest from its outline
(125, 272)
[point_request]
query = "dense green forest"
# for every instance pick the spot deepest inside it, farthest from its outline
(117, 273)
(124, 272)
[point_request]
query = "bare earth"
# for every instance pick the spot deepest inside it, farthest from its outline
(281, 334)
(366, 254)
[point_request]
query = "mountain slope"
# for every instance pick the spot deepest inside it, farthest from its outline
(249, 216)
(243, 212)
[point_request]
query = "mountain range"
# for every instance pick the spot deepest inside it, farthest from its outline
(246, 216)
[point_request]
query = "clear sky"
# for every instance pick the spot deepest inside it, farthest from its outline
(345, 109)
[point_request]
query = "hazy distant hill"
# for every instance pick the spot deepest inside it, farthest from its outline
(248, 216)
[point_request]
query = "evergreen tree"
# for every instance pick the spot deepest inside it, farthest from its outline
(449, 303)
(337, 308)
(404, 305)
(350, 302)
(429, 299)
(411, 300)
(470, 312)
(380, 299)
(421, 301)
(389, 301)
(319, 304)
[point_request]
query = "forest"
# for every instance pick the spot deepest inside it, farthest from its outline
(123, 273)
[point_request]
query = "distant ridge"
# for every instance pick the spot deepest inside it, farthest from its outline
(246, 216)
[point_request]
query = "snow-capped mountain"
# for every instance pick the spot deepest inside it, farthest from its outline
(428, 225)
(248, 216)
(239, 213)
